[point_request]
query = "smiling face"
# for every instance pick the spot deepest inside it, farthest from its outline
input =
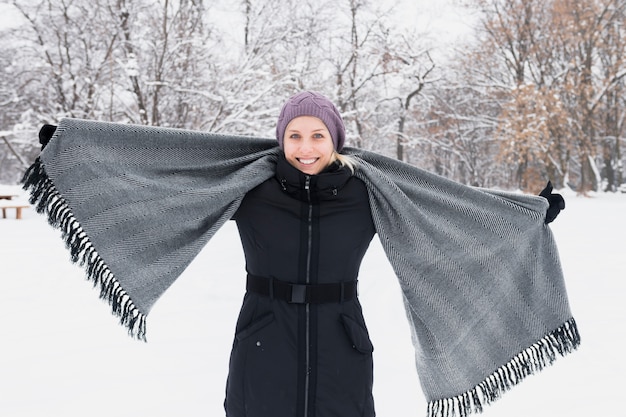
(308, 145)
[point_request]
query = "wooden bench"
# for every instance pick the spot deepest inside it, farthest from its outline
(12, 205)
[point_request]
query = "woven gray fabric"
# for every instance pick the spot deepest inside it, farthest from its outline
(479, 269)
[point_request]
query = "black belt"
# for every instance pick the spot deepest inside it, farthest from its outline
(302, 293)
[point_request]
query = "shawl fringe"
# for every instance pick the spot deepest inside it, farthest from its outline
(563, 340)
(47, 200)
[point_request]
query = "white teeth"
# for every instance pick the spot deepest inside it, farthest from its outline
(307, 161)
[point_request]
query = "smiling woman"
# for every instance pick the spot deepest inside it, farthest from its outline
(301, 347)
(314, 131)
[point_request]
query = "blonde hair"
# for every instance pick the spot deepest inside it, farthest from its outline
(344, 160)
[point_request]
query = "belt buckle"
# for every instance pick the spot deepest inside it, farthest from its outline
(298, 294)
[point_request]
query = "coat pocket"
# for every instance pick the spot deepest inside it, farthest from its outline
(255, 326)
(357, 334)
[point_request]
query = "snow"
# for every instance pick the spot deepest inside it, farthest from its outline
(63, 354)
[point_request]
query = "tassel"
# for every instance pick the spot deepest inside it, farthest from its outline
(561, 341)
(47, 200)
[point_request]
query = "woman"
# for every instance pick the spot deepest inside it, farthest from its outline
(301, 347)
(478, 269)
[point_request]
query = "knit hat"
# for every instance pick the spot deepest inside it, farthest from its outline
(309, 103)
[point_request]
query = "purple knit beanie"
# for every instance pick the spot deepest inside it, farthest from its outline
(309, 103)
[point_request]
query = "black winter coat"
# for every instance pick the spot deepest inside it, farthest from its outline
(302, 360)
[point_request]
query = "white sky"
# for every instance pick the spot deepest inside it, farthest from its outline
(442, 17)
(7, 17)
(443, 20)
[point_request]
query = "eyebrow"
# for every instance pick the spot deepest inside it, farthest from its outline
(316, 130)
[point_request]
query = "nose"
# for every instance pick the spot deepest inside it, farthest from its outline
(306, 145)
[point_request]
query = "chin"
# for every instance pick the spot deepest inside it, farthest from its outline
(310, 171)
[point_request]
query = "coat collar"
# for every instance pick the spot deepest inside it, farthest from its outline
(324, 186)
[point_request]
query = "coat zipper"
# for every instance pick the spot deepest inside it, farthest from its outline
(307, 187)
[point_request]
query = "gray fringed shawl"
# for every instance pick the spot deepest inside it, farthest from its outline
(479, 269)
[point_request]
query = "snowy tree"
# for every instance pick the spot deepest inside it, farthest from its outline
(278, 55)
(165, 54)
(537, 94)
(68, 56)
(612, 68)
(562, 48)
(534, 144)
(458, 131)
(413, 69)
(358, 52)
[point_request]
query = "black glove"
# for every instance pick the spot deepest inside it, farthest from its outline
(45, 134)
(556, 201)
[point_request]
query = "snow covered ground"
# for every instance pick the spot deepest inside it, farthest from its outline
(63, 354)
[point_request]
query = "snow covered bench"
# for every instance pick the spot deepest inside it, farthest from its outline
(4, 205)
